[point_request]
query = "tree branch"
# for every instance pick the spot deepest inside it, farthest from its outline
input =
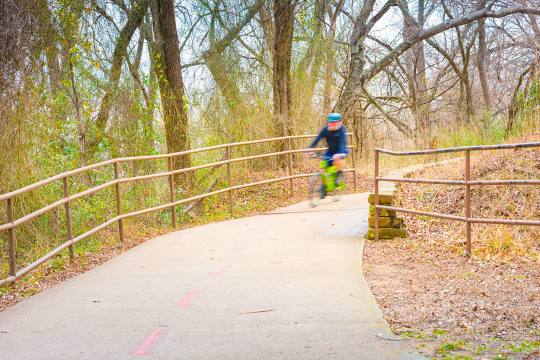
(437, 29)
(401, 126)
(234, 32)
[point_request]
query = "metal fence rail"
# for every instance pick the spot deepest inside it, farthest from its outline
(468, 219)
(12, 223)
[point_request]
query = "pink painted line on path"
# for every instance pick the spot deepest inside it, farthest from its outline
(150, 341)
(188, 298)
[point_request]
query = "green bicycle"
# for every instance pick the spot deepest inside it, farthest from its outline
(326, 181)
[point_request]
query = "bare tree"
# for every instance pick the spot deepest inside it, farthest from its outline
(358, 76)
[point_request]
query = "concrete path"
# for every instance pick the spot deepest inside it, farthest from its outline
(286, 285)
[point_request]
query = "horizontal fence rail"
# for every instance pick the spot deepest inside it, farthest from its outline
(12, 223)
(468, 219)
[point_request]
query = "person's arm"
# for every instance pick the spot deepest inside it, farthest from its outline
(322, 135)
(343, 141)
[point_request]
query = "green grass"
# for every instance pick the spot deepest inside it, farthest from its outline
(457, 357)
(439, 332)
(466, 275)
(57, 264)
(447, 348)
(481, 349)
(414, 335)
(90, 245)
(525, 347)
(469, 135)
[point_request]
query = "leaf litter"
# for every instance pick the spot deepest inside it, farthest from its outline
(487, 307)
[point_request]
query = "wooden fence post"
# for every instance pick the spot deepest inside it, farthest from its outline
(229, 181)
(468, 202)
(65, 180)
(289, 146)
(353, 162)
(171, 191)
(376, 182)
(118, 203)
(12, 242)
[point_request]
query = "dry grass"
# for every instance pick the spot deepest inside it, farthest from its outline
(507, 202)
(487, 307)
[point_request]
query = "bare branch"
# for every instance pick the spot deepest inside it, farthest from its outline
(437, 29)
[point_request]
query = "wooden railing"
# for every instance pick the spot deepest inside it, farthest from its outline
(468, 219)
(11, 225)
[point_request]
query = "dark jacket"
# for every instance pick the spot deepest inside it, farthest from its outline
(336, 140)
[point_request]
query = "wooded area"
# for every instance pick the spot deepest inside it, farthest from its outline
(87, 80)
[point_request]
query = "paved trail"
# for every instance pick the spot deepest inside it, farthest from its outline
(286, 285)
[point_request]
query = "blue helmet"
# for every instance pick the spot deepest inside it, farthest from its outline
(334, 117)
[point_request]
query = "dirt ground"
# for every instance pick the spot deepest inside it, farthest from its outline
(451, 307)
(445, 303)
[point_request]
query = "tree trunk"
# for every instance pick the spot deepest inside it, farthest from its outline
(135, 18)
(309, 66)
(513, 108)
(482, 51)
(421, 85)
(220, 64)
(48, 33)
(227, 85)
(329, 56)
(469, 107)
(171, 85)
(416, 78)
(283, 32)
(70, 31)
(153, 84)
(354, 83)
(267, 24)
(328, 74)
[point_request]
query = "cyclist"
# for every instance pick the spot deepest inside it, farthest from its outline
(335, 135)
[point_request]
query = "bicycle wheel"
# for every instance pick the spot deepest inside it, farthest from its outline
(314, 190)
